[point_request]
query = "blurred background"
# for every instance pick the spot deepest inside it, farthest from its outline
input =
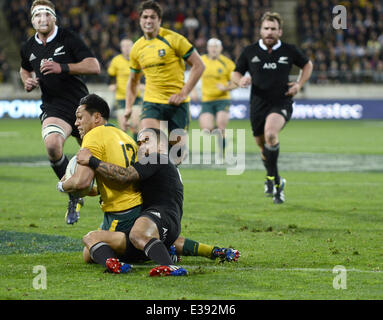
(348, 63)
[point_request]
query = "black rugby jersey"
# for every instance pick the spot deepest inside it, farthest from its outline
(161, 186)
(64, 46)
(270, 71)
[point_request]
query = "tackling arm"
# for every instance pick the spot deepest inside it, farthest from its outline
(107, 170)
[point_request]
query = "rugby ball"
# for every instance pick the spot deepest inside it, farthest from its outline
(70, 171)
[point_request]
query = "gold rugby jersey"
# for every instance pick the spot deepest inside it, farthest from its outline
(162, 61)
(216, 71)
(113, 145)
(120, 68)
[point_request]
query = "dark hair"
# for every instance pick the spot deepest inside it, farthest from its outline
(94, 103)
(150, 4)
(272, 16)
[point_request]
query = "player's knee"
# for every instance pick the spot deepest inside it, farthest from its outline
(86, 255)
(54, 147)
(271, 138)
(138, 239)
(90, 238)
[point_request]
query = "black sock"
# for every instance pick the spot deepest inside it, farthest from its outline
(263, 157)
(156, 251)
(100, 252)
(59, 166)
(271, 154)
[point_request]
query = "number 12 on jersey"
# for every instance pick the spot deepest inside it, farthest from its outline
(129, 153)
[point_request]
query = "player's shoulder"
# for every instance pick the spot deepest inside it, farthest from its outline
(65, 32)
(140, 42)
(164, 32)
(226, 59)
(68, 35)
(117, 58)
(251, 48)
(28, 43)
(288, 46)
(170, 36)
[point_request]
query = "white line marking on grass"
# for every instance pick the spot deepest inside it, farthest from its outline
(301, 162)
(6, 134)
(215, 267)
(26, 164)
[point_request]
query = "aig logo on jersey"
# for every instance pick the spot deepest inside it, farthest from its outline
(44, 60)
(270, 65)
(161, 52)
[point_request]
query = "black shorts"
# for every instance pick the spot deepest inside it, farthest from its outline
(66, 114)
(169, 228)
(168, 225)
(261, 108)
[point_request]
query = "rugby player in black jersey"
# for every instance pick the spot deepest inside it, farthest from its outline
(53, 59)
(269, 62)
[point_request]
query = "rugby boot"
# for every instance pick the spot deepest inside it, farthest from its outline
(168, 271)
(269, 186)
(73, 212)
(279, 195)
(225, 254)
(114, 265)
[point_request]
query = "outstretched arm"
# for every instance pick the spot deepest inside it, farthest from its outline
(109, 171)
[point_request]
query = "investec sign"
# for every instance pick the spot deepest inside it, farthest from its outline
(239, 109)
(327, 111)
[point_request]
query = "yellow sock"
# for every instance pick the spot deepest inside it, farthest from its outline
(204, 250)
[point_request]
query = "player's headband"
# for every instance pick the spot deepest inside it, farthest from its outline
(39, 9)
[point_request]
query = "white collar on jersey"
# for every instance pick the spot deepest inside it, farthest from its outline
(275, 47)
(50, 38)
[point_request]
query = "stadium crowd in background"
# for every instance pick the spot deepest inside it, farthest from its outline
(4, 67)
(102, 23)
(347, 55)
(351, 55)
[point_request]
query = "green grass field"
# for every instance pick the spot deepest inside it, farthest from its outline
(333, 216)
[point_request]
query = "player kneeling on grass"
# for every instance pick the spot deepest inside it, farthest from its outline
(159, 223)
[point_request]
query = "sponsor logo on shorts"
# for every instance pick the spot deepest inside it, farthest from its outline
(157, 214)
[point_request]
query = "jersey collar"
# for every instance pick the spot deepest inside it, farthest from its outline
(275, 47)
(50, 38)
